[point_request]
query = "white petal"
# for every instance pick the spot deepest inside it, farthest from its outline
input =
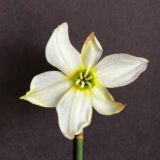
(104, 103)
(118, 70)
(47, 88)
(91, 51)
(60, 52)
(74, 112)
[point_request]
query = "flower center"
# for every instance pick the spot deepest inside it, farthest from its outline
(84, 80)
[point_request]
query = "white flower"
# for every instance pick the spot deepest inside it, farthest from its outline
(82, 80)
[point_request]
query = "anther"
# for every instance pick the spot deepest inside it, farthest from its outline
(78, 81)
(88, 78)
(81, 75)
(89, 84)
(82, 84)
(85, 74)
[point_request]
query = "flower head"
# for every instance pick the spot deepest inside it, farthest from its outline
(82, 81)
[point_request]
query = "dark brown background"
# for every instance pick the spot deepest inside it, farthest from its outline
(28, 132)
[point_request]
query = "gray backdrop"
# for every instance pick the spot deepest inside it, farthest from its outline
(28, 132)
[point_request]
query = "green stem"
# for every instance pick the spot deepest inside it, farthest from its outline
(79, 147)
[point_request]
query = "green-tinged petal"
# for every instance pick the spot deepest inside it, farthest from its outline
(60, 52)
(47, 88)
(91, 51)
(104, 103)
(74, 112)
(118, 70)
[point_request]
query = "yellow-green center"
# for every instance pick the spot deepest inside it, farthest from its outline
(84, 80)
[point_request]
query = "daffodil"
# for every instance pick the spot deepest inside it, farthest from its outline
(82, 82)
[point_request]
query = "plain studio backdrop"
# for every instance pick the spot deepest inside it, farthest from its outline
(28, 132)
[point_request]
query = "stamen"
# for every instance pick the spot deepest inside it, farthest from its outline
(82, 84)
(88, 78)
(85, 74)
(81, 75)
(89, 84)
(78, 81)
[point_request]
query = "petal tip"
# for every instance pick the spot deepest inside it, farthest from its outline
(121, 107)
(64, 24)
(92, 37)
(25, 97)
(144, 60)
(144, 64)
(28, 97)
(22, 97)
